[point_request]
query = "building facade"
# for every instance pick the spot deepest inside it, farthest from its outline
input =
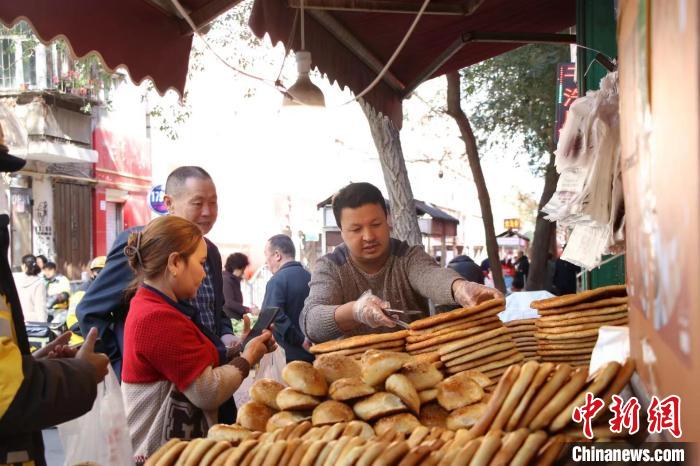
(87, 175)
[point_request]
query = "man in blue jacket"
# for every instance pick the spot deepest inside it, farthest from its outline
(287, 289)
(189, 193)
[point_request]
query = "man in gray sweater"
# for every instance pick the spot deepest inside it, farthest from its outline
(370, 272)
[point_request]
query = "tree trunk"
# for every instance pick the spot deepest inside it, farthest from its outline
(454, 109)
(544, 232)
(403, 208)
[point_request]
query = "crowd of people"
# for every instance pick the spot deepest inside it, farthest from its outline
(44, 293)
(161, 307)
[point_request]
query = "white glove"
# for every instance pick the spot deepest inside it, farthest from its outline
(368, 310)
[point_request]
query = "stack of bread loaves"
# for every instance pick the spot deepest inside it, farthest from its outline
(511, 426)
(466, 339)
(355, 347)
(567, 328)
(522, 332)
(304, 446)
(391, 390)
(543, 396)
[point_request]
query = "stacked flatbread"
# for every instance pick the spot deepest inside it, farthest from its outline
(355, 347)
(523, 422)
(466, 339)
(567, 329)
(345, 445)
(543, 396)
(522, 332)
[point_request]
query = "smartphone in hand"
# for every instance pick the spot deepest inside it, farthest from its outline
(265, 320)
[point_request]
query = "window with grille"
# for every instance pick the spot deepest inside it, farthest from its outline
(7, 64)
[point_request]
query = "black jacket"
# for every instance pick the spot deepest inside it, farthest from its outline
(34, 394)
(104, 305)
(233, 298)
(288, 289)
(467, 268)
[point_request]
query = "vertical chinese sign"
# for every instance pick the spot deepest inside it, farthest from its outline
(567, 92)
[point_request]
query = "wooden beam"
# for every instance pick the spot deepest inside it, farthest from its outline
(356, 47)
(435, 65)
(210, 11)
(166, 6)
(495, 37)
(436, 7)
(519, 37)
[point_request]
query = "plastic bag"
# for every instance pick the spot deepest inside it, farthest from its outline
(269, 367)
(101, 435)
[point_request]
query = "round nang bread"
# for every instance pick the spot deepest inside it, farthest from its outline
(490, 320)
(254, 416)
(466, 417)
(433, 415)
(358, 341)
(379, 365)
(478, 351)
(335, 366)
(503, 362)
(401, 386)
(487, 359)
(479, 377)
(423, 375)
(331, 412)
(378, 405)
(265, 391)
(606, 305)
(231, 433)
(581, 320)
(303, 377)
(456, 314)
(428, 395)
(457, 391)
(348, 389)
(612, 291)
(290, 399)
(403, 422)
(450, 336)
(283, 419)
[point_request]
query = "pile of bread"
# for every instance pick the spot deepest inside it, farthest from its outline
(466, 339)
(391, 390)
(354, 347)
(523, 421)
(567, 328)
(350, 444)
(522, 331)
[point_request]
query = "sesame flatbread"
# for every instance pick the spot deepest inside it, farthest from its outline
(469, 341)
(477, 353)
(452, 336)
(571, 300)
(488, 320)
(457, 314)
(358, 341)
(576, 328)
